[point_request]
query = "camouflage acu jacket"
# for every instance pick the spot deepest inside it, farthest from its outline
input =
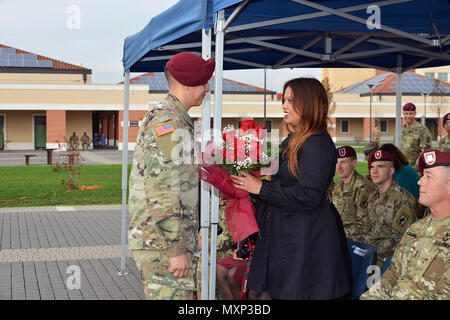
(390, 213)
(163, 199)
(444, 144)
(420, 265)
(415, 140)
(351, 202)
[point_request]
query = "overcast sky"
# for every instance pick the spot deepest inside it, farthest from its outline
(49, 28)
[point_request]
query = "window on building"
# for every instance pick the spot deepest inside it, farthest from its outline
(443, 76)
(383, 126)
(345, 126)
(429, 75)
(268, 125)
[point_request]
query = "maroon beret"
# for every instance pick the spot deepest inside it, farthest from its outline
(345, 152)
(190, 69)
(379, 155)
(409, 107)
(446, 117)
(433, 158)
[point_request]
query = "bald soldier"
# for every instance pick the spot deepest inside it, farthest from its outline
(420, 267)
(163, 200)
(416, 138)
(444, 144)
(391, 209)
(350, 195)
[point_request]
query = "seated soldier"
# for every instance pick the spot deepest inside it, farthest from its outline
(73, 142)
(350, 195)
(444, 144)
(85, 141)
(405, 175)
(376, 135)
(224, 246)
(391, 209)
(419, 268)
(230, 273)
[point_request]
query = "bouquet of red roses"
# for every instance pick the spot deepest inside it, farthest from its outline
(246, 150)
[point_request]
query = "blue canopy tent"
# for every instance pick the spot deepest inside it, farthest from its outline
(391, 35)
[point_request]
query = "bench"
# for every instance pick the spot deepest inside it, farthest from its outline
(27, 158)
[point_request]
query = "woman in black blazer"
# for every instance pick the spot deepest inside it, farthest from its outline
(302, 251)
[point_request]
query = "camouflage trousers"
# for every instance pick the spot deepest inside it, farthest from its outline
(156, 280)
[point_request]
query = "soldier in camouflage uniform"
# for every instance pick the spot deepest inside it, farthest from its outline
(369, 148)
(163, 199)
(391, 209)
(350, 195)
(416, 138)
(444, 144)
(420, 265)
(376, 135)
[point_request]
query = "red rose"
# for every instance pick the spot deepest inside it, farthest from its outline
(246, 125)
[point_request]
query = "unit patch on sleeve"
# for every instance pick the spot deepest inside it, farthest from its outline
(402, 220)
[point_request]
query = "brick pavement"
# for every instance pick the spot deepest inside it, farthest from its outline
(39, 246)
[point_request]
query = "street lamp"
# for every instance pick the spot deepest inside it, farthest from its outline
(370, 87)
(424, 116)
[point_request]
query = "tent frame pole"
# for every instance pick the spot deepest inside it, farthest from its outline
(126, 105)
(398, 103)
(220, 36)
(204, 186)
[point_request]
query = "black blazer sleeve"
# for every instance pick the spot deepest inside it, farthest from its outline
(316, 166)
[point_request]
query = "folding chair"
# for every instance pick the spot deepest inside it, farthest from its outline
(362, 256)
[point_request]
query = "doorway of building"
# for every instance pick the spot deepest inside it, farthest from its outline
(104, 129)
(2, 133)
(40, 132)
(432, 125)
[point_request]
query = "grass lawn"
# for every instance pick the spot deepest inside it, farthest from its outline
(29, 186)
(36, 186)
(361, 167)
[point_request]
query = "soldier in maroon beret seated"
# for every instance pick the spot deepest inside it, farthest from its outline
(419, 268)
(391, 208)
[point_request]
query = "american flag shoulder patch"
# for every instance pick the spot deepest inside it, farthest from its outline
(164, 128)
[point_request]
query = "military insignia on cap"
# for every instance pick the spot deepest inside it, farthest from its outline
(378, 155)
(429, 157)
(164, 128)
(342, 152)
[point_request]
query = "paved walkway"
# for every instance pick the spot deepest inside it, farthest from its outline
(44, 251)
(98, 156)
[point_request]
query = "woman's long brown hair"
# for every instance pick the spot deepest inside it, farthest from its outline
(311, 102)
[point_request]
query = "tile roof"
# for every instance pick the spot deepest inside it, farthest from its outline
(16, 58)
(157, 83)
(412, 84)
